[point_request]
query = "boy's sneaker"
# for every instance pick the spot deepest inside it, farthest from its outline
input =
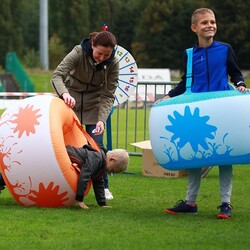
(225, 211)
(108, 194)
(182, 207)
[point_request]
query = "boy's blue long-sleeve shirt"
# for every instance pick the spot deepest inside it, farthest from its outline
(211, 68)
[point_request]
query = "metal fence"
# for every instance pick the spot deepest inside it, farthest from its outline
(129, 121)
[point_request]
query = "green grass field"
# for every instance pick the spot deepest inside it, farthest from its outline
(41, 80)
(136, 220)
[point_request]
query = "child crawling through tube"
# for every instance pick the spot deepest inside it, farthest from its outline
(92, 166)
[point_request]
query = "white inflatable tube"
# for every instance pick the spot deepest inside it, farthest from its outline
(33, 159)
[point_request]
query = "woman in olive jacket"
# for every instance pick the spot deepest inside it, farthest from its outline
(86, 80)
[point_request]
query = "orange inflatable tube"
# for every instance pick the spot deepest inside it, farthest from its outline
(33, 158)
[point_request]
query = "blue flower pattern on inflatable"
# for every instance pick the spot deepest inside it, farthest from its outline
(194, 131)
(191, 129)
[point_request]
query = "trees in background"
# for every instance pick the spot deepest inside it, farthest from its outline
(11, 30)
(234, 27)
(162, 33)
(156, 32)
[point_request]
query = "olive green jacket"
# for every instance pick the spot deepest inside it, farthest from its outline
(92, 87)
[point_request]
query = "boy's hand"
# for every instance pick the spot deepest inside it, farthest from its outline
(83, 205)
(159, 100)
(242, 89)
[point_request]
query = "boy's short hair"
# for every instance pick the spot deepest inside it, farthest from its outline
(121, 158)
(198, 12)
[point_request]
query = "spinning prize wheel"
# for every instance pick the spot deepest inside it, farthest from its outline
(128, 75)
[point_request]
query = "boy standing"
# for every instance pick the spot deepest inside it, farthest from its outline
(93, 166)
(212, 62)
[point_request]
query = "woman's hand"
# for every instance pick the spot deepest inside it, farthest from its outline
(69, 100)
(99, 129)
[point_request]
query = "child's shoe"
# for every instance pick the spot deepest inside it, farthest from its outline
(182, 207)
(225, 211)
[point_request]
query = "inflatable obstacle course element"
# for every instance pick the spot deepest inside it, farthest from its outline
(33, 158)
(201, 129)
(196, 130)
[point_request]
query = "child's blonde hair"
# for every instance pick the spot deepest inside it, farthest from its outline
(198, 12)
(121, 157)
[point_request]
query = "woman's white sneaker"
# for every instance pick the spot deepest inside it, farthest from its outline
(108, 194)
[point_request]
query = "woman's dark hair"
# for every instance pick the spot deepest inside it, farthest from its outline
(103, 38)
